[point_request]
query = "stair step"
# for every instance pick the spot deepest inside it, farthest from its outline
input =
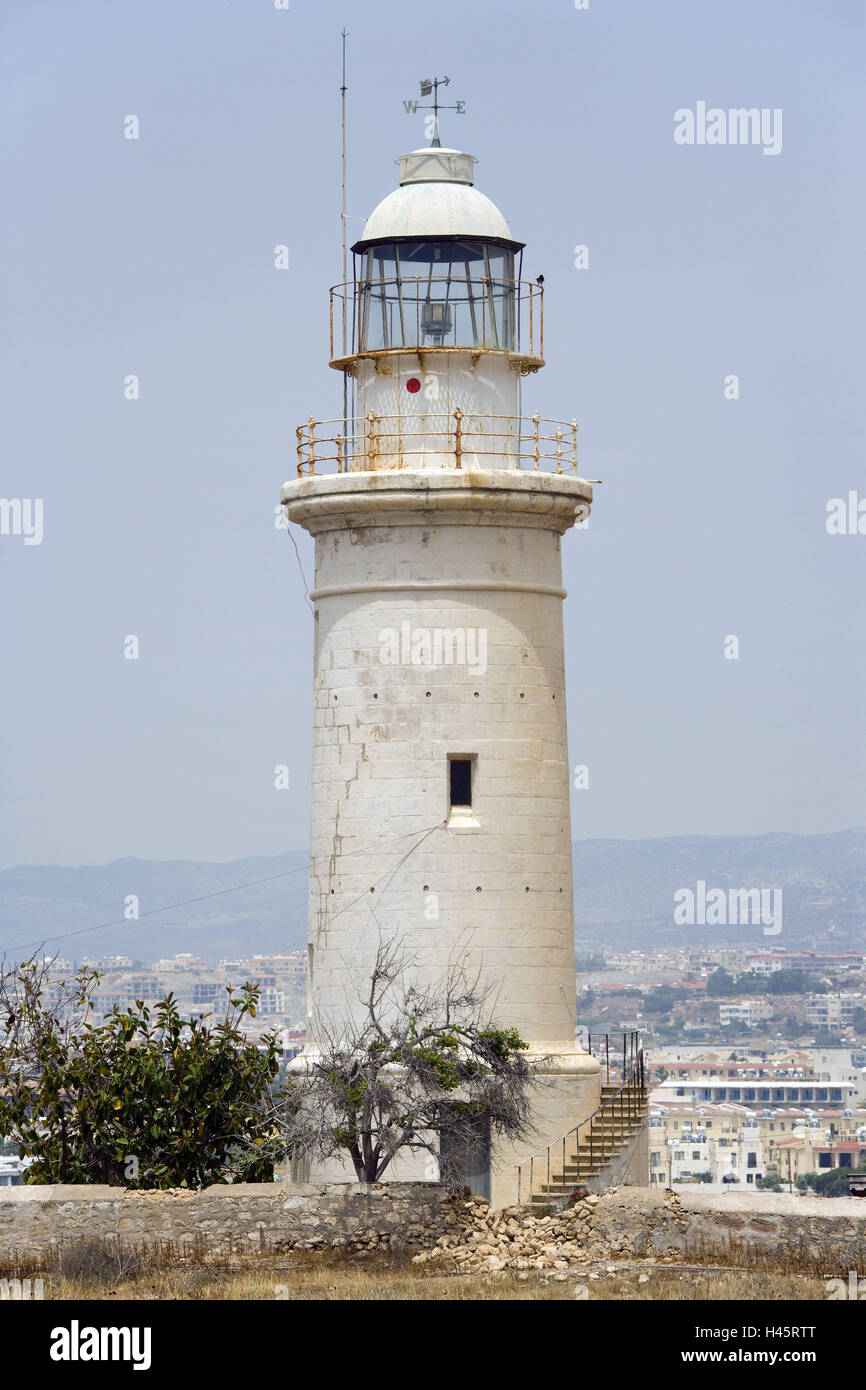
(621, 1131)
(605, 1121)
(597, 1144)
(617, 1127)
(560, 1190)
(623, 1119)
(589, 1155)
(608, 1136)
(615, 1123)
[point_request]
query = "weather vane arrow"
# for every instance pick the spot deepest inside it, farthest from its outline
(430, 86)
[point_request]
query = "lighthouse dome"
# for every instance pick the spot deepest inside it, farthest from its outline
(436, 198)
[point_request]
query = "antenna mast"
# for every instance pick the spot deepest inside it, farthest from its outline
(344, 36)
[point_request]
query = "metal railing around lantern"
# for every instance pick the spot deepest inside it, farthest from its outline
(626, 1107)
(428, 313)
(458, 440)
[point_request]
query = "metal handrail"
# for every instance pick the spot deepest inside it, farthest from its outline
(397, 441)
(626, 1103)
(494, 318)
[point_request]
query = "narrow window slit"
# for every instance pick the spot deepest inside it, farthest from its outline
(461, 781)
(461, 786)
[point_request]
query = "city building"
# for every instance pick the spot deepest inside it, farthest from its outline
(745, 1013)
(833, 1010)
(773, 1089)
(677, 1129)
(734, 1153)
(808, 1151)
(768, 962)
(12, 1171)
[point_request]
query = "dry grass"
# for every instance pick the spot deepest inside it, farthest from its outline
(111, 1270)
(323, 1278)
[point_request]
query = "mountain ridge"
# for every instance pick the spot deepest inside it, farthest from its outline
(623, 897)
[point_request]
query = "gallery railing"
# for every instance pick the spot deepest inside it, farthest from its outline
(372, 442)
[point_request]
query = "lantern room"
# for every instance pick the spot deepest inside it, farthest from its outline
(436, 269)
(437, 292)
(433, 333)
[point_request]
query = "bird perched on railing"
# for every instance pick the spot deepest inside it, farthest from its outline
(539, 280)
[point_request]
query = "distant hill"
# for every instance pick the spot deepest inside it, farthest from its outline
(625, 888)
(624, 898)
(44, 902)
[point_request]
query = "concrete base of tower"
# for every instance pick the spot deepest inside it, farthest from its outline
(567, 1092)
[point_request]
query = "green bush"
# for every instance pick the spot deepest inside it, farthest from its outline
(830, 1182)
(771, 1183)
(144, 1099)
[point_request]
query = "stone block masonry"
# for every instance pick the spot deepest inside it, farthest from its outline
(36, 1220)
(821, 1236)
(824, 1233)
(456, 1234)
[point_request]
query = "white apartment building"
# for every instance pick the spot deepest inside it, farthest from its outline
(745, 1013)
(756, 1091)
(836, 1065)
(832, 1010)
(272, 1001)
(729, 1158)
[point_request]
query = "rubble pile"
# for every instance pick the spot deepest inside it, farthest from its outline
(520, 1239)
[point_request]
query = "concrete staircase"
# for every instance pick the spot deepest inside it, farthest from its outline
(593, 1147)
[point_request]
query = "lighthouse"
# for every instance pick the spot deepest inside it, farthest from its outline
(438, 501)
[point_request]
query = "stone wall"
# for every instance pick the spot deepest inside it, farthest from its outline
(664, 1227)
(224, 1218)
(824, 1234)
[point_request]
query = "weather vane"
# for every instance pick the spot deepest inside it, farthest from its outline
(431, 85)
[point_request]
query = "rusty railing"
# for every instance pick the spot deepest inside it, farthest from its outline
(372, 442)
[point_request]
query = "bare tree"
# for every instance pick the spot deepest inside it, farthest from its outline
(421, 1070)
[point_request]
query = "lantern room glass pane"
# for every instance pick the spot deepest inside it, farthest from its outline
(423, 294)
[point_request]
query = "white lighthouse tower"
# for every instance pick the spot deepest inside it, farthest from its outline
(440, 785)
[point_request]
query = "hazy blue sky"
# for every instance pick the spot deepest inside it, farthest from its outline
(155, 257)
